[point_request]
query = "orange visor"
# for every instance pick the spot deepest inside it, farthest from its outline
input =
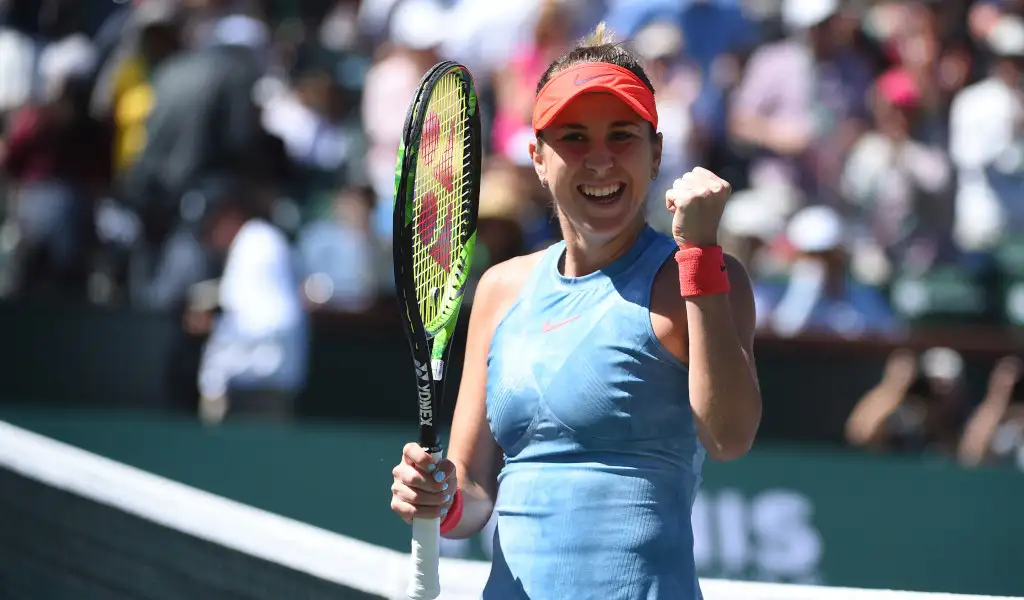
(561, 89)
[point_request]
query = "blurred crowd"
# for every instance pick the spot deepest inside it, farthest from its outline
(875, 146)
(233, 160)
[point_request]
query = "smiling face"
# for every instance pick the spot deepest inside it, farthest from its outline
(598, 158)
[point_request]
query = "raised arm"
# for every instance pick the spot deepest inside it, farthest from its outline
(865, 427)
(977, 437)
(724, 392)
(718, 322)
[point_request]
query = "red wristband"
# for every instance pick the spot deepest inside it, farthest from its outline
(454, 513)
(702, 271)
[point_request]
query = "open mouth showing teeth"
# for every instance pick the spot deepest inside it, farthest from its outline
(603, 194)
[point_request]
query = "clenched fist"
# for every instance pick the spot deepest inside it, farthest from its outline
(697, 199)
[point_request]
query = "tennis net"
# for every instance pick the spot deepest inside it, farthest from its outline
(77, 526)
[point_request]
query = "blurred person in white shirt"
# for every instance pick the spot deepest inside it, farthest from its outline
(256, 358)
(987, 144)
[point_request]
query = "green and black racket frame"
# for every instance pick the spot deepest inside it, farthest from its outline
(437, 191)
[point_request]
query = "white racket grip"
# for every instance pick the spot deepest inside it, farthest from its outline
(426, 547)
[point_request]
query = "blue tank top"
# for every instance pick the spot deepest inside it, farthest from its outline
(602, 459)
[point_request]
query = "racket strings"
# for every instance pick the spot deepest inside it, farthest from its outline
(441, 182)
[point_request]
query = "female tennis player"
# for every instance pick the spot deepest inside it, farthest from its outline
(599, 372)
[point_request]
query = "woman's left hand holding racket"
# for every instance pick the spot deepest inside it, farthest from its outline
(422, 489)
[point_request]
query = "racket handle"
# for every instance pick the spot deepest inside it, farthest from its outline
(426, 547)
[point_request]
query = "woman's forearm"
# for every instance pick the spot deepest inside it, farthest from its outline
(723, 386)
(477, 507)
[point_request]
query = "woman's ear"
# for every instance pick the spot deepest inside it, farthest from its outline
(538, 162)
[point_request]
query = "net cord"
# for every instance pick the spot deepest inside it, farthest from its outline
(346, 561)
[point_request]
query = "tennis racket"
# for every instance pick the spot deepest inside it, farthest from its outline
(437, 189)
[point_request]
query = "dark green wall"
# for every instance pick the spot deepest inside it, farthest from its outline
(361, 368)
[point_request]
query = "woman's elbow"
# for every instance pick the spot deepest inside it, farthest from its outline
(729, 450)
(735, 442)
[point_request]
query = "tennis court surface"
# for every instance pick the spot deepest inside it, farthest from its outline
(78, 526)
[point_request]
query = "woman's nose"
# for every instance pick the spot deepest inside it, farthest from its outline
(599, 159)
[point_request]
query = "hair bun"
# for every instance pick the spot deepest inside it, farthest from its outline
(600, 36)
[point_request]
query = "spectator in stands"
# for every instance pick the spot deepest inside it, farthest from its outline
(678, 81)
(711, 28)
(205, 125)
(897, 185)
(255, 360)
(800, 105)
(417, 29)
(310, 118)
(515, 85)
(17, 64)
(58, 158)
(910, 33)
(819, 294)
(995, 432)
(26, 28)
(124, 91)
(341, 256)
(752, 231)
(133, 43)
(491, 33)
(913, 408)
(987, 143)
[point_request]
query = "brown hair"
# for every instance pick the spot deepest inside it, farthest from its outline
(599, 46)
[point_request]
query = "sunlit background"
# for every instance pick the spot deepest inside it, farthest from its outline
(196, 279)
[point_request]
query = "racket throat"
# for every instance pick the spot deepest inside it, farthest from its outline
(437, 368)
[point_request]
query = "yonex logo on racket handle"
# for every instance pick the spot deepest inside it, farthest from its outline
(423, 389)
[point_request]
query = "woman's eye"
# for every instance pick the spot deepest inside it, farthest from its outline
(621, 136)
(573, 137)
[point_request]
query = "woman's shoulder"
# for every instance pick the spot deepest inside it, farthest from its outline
(500, 285)
(508, 277)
